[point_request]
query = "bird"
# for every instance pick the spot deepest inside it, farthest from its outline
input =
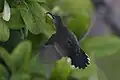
(64, 43)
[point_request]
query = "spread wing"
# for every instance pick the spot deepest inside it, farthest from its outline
(51, 53)
(50, 40)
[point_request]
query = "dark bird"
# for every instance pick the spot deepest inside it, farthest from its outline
(64, 43)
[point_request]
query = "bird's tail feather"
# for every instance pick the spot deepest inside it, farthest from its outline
(80, 61)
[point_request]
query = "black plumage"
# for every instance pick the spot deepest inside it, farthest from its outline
(67, 43)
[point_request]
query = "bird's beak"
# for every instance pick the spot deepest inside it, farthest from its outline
(50, 14)
(53, 17)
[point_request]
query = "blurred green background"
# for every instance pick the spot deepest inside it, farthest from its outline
(24, 26)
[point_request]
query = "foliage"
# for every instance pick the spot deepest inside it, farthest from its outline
(24, 25)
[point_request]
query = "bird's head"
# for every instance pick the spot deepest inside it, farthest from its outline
(56, 19)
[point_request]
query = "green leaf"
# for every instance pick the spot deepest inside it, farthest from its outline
(41, 1)
(16, 21)
(11, 2)
(80, 11)
(21, 55)
(38, 78)
(39, 17)
(101, 74)
(6, 57)
(102, 46)
(78, 25)
(110, 66)
(35, 66)
(94, 77)
(61, 70)
(6, 11)
(4, 31)
(20, 76)
(27, 17)
(36, 40)
(1, 5)
(2, 78)
(33, 17)
(3, 73)
(84, 73)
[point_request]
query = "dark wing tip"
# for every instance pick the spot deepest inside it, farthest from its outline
(81, 61)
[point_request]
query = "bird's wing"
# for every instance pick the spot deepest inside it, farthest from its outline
(50, 40)
(51, 53)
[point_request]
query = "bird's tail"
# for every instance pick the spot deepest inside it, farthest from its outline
(80, 61)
